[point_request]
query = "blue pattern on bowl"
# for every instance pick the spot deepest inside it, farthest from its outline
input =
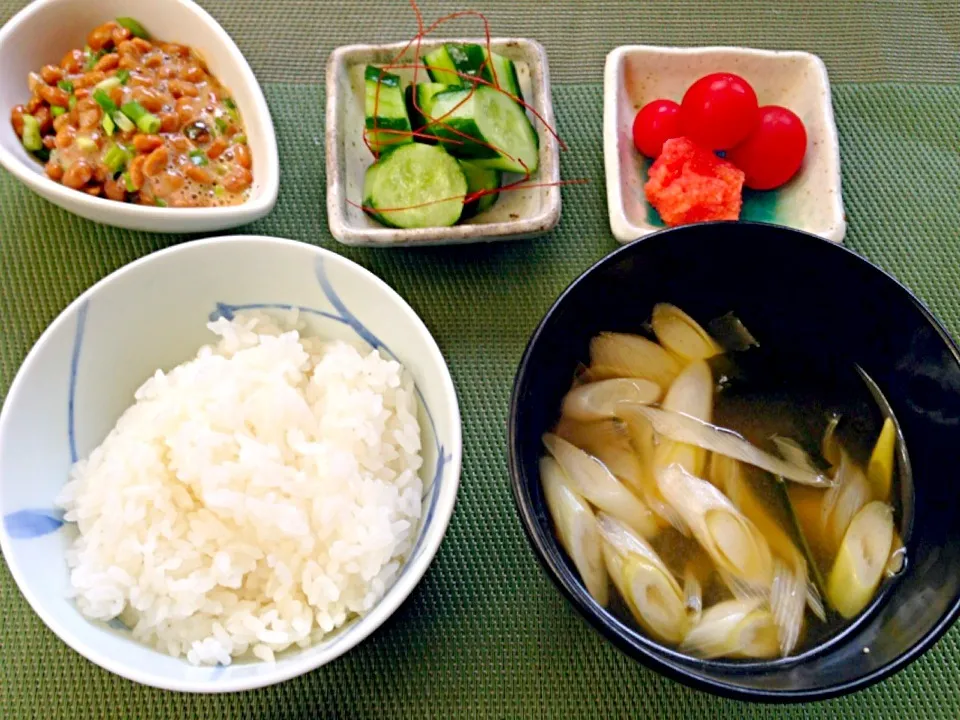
(74, 365)
(26, 524)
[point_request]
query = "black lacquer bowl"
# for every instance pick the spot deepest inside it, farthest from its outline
(826, 306)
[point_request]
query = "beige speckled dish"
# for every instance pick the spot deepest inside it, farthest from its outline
(637, 74)
(517, 214)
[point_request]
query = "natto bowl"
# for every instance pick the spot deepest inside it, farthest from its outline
(828, 307)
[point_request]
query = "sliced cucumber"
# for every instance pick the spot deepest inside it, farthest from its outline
(385, 110)
(506, 74)
(441, 66)
(480, 178)
(369, 182)
(415, 186)
(447, 61)
(419, 96)
(503, 137)
(467, 60)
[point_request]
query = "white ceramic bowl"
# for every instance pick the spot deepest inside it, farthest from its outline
(637, 74)
(151, 314)
(520, 213)
(45, 30)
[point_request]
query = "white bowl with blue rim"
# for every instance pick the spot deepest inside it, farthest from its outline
(84, 369)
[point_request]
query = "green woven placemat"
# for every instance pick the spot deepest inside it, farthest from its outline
(486, 633)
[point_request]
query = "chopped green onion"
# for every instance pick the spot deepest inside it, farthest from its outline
(128, 182)
(65, 85)
(109, 84)
(135, 28)
(240, 139)
(123, 122)
(85, 143)
(43, 154)
(57, 111)
(104, 101)
(93, 57)
(116, 158)
(232, 109)
(219, 191)
(124, 75)
(146, 121)
(108, 124)
(159, 202)
(221, 124)
(72, 103)
(133, 110)
(31, 134)
(150, 124)
(198, 158)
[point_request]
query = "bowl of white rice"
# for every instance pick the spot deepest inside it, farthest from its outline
(227, 463)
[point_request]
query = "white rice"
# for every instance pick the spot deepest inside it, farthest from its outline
(253, 499)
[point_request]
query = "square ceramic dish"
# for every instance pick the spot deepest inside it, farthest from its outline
(637, 74)
(517, 214)
(45, 30)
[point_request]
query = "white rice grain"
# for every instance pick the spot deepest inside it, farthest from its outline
(253, 499)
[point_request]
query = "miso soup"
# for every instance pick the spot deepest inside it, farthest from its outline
(719, 504)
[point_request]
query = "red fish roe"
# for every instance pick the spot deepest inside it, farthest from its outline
(689, 184)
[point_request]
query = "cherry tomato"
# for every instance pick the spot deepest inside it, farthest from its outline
(773, 153)
(718, 111)
(657, 122)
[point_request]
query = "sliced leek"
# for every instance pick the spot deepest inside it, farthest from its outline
(681, 334)
(880, 467)
(788, 594)
(643, 442)
(691, 394)
(576, 528)
(830, 445)
(734, 628)
(593, 480)
(633, 356)
(861, 560)
(791, 451)
(609, 442)
(659, 607)
(652, 593)
(724, 471)
(788, 600)
(599, 400)
(683, 428)
(730, 539)
(692, 592)
(843, 501)
(596, 373)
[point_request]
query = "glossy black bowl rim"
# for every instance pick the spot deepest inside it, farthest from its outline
(563, 578)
